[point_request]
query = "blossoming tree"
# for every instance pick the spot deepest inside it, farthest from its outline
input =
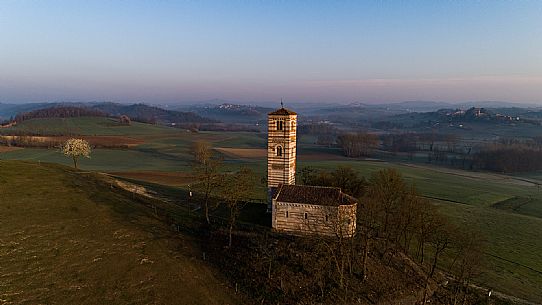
(75, 148)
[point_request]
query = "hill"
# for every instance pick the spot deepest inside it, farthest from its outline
(231, 113)
(151, 114)
(83, 126)
(10, 110)
(72, 238)
(138, 112)
(58, 112)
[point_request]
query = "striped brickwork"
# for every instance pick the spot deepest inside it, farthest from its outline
(281, 149)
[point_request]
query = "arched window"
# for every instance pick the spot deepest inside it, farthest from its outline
(280, 125)
(279, 151)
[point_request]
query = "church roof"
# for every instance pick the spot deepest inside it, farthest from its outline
(317, 195)
(282, 111)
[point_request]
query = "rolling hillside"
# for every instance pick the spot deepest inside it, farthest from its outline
(72, 238)
(84, 126)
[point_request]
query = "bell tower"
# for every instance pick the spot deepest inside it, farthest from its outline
(281, 148)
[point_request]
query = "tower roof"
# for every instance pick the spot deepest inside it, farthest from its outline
(282, 111)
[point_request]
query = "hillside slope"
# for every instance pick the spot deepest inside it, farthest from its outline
(70, 238)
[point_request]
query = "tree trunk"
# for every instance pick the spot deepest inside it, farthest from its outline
(74, 162)
(232, 221)
(206, 203)
(230, 232)
(206, 209)
(430, 275)
(365, 256)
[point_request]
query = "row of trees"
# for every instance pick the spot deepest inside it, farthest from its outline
(508, 159)
(360, 144)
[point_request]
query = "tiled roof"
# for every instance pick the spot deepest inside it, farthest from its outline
(318, 195)
(282, 111)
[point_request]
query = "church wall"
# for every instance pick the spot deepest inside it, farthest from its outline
(290, 218)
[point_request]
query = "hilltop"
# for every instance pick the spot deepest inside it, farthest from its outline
(151, 114)
(230, 112)
(74, 238)
(137, 112)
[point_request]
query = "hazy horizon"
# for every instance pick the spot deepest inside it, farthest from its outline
(312, 52)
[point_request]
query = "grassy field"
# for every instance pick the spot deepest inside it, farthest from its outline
(506, 209)
(67, 238)
(86, 126)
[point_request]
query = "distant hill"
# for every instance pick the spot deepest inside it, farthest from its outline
(8, 111)
(137, 112)
(458, 117)
(151, 114)
(59, 112)
(233, 113)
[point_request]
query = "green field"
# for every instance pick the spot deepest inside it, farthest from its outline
(69, 238)
(471, 199)
(86, 126)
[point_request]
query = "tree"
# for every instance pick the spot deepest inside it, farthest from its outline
(75, 148)
(469, 246)
(236, 190)
(388, 190)
(357, 144)
(125, 120)
(345, 178)
(207, 170)
(440, 239)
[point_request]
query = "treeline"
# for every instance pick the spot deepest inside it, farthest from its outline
(508, 159)
(407, 142)
(58, 112)
(360, 144)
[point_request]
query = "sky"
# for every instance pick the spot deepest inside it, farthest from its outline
(304, 51)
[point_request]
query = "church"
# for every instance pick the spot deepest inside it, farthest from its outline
(301, 209)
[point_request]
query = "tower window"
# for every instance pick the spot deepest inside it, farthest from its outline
(279, 151)
(327, 217)
(286, 214)
(280, 125)
(306, 216)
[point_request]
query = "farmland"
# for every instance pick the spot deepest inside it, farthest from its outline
(506, 209)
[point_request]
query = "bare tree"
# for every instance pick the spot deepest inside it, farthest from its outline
(467, 263)
(440, 239)
(235, 191)
(388, 189)
(207, 170)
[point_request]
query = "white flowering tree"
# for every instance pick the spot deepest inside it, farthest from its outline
(75, 148)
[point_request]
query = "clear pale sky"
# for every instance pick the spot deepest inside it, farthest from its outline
(305, 51)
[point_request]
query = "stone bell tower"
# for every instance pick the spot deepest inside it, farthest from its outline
(281, 148)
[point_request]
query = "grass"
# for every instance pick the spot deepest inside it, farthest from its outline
(68, 238)
(468, 198)
(87, 126)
